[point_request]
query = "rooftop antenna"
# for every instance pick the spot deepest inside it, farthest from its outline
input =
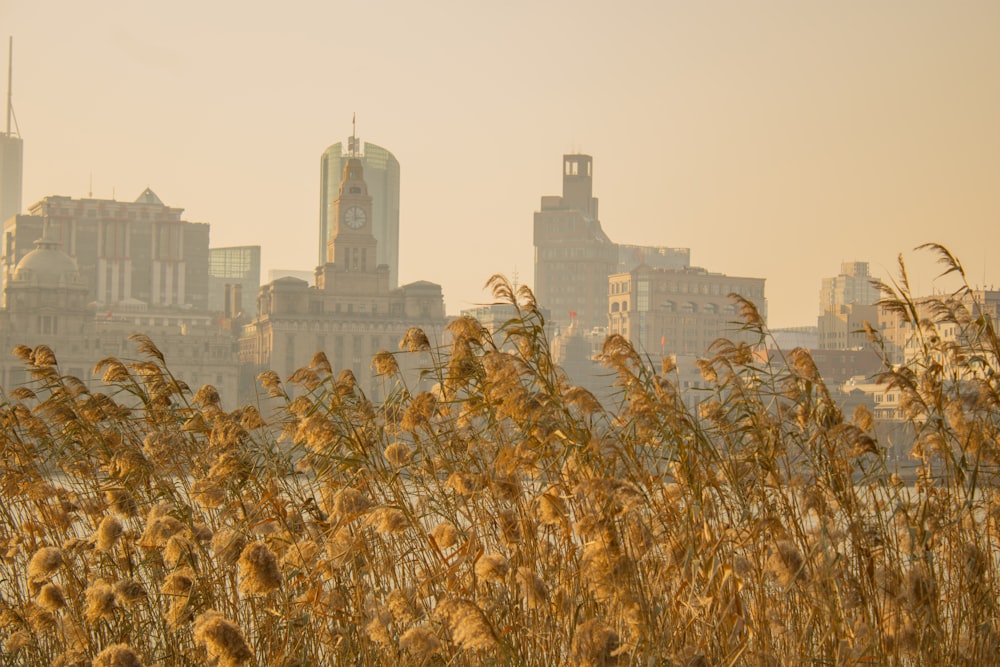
(353, 143)
(10, 79)
(90, 191)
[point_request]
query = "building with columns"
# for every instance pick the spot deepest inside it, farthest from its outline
(351, 313)
(126, 252)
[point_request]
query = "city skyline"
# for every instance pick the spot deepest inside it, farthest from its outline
(775, 141)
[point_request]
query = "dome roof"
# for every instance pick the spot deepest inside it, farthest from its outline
(47, 265)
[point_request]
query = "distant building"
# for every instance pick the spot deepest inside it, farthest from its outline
(351, 314)
(666, 311)
(276, 274)
(11, 156)
(657, 257)
(125, 251)
(846, 302)
(233, 279)
(573, 255)
(904, 343)
(46, 303)
(789, 338)
(382, 176)
(11, 159)
(851, 287)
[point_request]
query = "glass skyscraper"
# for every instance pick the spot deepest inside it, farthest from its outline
(382, 176)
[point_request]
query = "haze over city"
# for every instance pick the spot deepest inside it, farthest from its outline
(773, 139)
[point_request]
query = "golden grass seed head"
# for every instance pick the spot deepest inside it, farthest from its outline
(178, 582)
(41, 620)
(117, 655)
(44, 563)
(100, 597)
(227, 544)
(108, 533)
(468, 625)
(388, 521)
(445, 535)
(399, 454)
(121, 502)
(384, 363)
(492, 567)
(533, 588)
(51, 597)
(378, 630)
(222, 639)
(785, 562)
(16, 642)
(259, 573)
(129, 591)
(551, 509)
(420, 642)
(594, 645)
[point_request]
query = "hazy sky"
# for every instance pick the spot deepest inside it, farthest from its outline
(773, 139)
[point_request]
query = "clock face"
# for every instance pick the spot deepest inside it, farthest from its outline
(355, 217)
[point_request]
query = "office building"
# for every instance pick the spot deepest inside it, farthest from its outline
(125, 251)
(11, 154)
(573, 255)
(679, 311)
(47, 304)
(233, 279)
(352, 312)
(846, 302)
(382, 177)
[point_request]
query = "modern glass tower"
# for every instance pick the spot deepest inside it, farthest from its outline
(11, 155)
(382, 176)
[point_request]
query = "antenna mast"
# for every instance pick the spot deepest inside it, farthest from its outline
(10, 77)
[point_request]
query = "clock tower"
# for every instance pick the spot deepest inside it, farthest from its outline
(351, 246)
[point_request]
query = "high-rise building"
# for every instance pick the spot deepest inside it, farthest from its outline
(352, 312)
(573, 255)
(382, 177)
(233, 279)
(852, 286)
(126, 252)
(11, 155)
(846, 302)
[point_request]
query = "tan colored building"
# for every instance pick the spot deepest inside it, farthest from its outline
(46, 304)
(903, 341)
(125, 251)
(846, 302)
(666, 311)
(573, 255)
(351, 314)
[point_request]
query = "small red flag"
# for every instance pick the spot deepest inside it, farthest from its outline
(572, 314)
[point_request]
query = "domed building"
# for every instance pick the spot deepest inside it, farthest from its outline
(46, 303)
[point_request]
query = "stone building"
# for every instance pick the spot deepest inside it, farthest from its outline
(352, 312)
(125, 251)
(678, 311)
(46, 303)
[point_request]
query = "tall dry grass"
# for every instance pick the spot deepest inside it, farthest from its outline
(505, 517)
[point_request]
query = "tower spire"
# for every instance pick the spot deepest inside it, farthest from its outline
(352, 145)
(10, 78)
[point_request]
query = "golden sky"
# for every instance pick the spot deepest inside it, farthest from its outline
(774, 139)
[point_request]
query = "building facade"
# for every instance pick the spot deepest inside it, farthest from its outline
(47, 303)
(233, 279)
(382, 176)
(846, 302)
(125, 251)
(352, 312)
(573, 255)
(679, 311)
